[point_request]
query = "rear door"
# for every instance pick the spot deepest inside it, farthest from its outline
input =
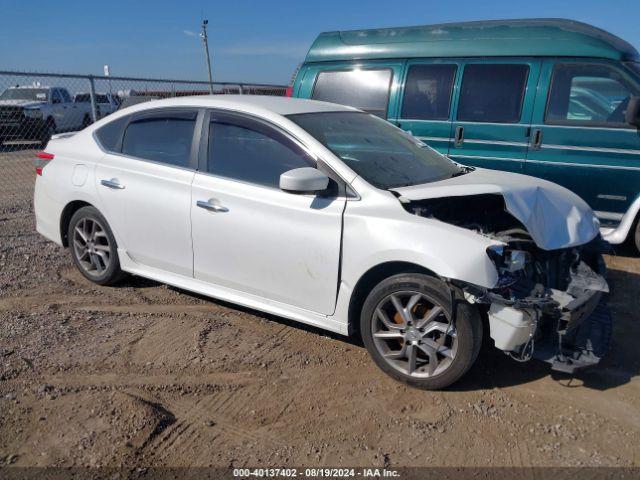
(493, 113)
(425, 102)
(372, 87)
(580, 138)
(144, 184)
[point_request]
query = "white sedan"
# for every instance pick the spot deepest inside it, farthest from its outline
(332, 217)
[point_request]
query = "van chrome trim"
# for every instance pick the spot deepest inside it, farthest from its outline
(588, 165)
(617, 129)
(619, 234)
(621, 198)
(609, 215)
(496, 142)
(627, 151)
(434, 139)
(488, 158)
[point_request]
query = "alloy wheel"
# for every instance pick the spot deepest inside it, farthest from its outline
(414, 334)
(91, 246)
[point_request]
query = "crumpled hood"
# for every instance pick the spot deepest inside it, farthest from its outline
(554, 216)
(21, 103)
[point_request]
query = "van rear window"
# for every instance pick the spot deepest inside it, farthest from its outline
(367, 90)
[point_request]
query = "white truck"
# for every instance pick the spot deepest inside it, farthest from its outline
(36, 113)
(106, 103)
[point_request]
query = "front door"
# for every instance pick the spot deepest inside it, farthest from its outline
(250, 236)
(426, 98)
(493, 113)
(145, 189)
(580, 139)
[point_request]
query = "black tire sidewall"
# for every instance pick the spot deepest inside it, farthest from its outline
(466, 317)
(113, 273)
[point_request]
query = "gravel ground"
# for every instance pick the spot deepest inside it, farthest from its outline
(145, 374)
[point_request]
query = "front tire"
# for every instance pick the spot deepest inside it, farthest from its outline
(417, 332)
(93, 247)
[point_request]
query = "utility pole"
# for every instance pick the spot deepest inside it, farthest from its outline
(204, 37)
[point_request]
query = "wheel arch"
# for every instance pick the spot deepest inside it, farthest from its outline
(370, 279)
(65, 218)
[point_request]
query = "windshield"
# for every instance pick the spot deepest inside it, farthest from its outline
(38, 94)
(382, 154)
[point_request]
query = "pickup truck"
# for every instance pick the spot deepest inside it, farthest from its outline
(36, 113)
(106, 103)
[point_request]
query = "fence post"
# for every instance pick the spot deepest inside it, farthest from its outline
(92, 94)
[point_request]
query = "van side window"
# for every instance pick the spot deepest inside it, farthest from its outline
(588, 94)
(492, 93)
(427, 92)
(367, 90)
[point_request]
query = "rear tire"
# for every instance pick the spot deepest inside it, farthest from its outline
(416, 334)
(93, 247)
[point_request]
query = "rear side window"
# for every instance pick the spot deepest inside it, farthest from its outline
(427, 92)
(492, 93)
(583, 94)
(367, 90)
(164, 137)
(109, 136)
(252, 153)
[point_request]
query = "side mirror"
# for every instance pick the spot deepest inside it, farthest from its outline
(304, 180)
(632, 116)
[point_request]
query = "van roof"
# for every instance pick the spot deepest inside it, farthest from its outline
(530, 37)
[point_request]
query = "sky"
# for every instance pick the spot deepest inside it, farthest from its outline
(250, 41)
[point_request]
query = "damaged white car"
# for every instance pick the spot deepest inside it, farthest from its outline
(332, 217)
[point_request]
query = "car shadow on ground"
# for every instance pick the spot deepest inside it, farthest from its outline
(493, 368)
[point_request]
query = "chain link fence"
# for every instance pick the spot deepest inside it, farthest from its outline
(34, 106)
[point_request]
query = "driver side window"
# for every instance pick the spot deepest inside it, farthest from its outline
(588, 95)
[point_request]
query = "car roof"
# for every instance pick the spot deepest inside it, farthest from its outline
(529, 37)
(256, 104)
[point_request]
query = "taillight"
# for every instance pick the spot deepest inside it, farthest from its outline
(288, 92)
(42, 159)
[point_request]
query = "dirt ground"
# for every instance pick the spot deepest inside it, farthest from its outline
(145, 374)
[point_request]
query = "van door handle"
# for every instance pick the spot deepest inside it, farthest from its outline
(207, 205)
(458, 139)
(114, 184)
(536, 140)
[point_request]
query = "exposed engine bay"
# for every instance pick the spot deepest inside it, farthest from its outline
(548, 304)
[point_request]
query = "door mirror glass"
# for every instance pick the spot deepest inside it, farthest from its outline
(632, 115)
(303, 180)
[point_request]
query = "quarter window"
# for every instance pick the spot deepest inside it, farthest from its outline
(588, 95)
(109, 135)
(492, 93)
(427, 93)
(164, 137)
(252, 153)
(367, 90)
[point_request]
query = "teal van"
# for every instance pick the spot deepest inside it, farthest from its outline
(553, 98)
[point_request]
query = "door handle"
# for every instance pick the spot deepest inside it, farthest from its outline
(536, 141)
(458, 139)
(112, 184)
(207, 205)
